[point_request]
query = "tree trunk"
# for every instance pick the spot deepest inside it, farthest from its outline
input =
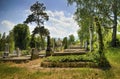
(114, 26)
(42, 41)
(100, 39)
(91, 39)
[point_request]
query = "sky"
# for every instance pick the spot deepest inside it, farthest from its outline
(60, 23)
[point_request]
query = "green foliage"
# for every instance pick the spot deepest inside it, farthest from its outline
(113, 55)
(21, 36)
(2, 42)
(87, 10)
(36, 42)
(38, 15)
(107, 34)
(74, 58)
(11, 42)
(71, 39)
(25, 52)
(83, 35)
(7, 39)
(118, 27)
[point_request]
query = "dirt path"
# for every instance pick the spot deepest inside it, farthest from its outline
(34, 65)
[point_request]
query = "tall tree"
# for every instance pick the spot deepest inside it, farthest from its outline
(65, 42)
(100, 37)
(108, 10)
(38, 16)
(21, 36)
(84, 17)
(86, 11)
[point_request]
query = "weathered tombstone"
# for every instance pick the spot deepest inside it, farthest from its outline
(86, 45)
(34, 54)
(18, 52)
(6, 52)
(48, 50)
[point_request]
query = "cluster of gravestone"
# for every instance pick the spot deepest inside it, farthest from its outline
(34, 53)
(49, 51)
(6, 53)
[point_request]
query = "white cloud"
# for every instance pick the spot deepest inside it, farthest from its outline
(6, 26)
(7, 23)
(60, 25)
(55, 13)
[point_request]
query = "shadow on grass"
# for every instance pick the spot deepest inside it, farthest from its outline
(104, 64)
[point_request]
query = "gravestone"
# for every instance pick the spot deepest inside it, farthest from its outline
(34, 54)
(48, 50)
(18, 52)
(6, 52)
(86, 45)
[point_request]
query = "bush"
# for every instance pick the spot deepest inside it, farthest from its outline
(25, 52)
(72, 58)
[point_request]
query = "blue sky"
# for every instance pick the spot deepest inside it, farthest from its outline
(60, 22)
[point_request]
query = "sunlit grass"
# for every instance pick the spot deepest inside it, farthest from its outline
(8, 71)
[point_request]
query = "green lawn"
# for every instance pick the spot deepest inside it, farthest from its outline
(7, 71)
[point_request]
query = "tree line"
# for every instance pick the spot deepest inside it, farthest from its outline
(98, 21)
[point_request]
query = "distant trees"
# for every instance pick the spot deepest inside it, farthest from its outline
(2, 41)
(21, 36)
(71, 39)
(38, 16)
(10, 41)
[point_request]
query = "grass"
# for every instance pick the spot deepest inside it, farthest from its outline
(9, 71)
(1, 53)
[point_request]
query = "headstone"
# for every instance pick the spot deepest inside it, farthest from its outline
(6, 52)
(18, 52)
(48, 50)
(34, 54)
(86, 45)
